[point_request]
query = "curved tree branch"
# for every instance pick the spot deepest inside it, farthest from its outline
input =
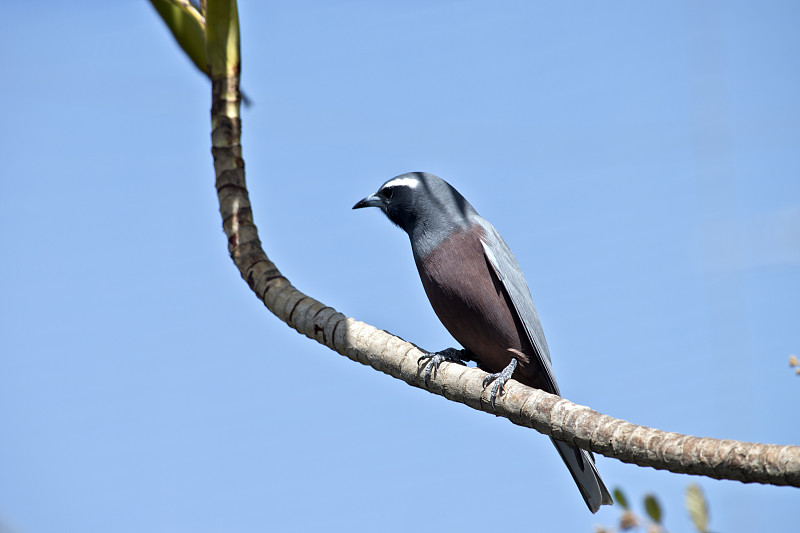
(525, 406)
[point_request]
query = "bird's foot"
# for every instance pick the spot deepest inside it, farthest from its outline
(499, 380)
(430, 361)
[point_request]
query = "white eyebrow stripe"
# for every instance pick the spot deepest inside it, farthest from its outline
(411, 183)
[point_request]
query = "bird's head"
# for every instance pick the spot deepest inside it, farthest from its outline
(423, 205)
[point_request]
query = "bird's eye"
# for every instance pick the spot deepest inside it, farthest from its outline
(388, 193)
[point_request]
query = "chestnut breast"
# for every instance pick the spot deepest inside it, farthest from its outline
(475, 308)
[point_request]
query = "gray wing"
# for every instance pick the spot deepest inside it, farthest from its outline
(579, 462)
(510, 274)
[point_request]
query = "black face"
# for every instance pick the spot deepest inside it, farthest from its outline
(398, 204)
(397, 200)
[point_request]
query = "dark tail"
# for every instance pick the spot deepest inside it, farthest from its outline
(581, 466)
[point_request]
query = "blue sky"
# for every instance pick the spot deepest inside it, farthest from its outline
(641, 159)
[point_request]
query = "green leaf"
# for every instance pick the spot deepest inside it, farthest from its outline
(620, 498)
(653, 508)
(222, 38)
(697, 507)
(187, 26)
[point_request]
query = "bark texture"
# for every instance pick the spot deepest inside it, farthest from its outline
(525, 406)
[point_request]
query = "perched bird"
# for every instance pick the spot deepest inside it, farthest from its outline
(477, 290)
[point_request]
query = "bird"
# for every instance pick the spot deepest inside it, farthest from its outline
(479, 293)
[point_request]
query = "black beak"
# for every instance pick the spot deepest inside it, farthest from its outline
(373, 200)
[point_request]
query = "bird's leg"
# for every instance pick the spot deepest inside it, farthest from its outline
(499, 379)
(430, 361)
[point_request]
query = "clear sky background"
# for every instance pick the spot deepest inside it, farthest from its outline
(642, 159)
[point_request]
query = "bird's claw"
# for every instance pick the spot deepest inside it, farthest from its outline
(499, 379)
(497, 390)
(431, 363)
